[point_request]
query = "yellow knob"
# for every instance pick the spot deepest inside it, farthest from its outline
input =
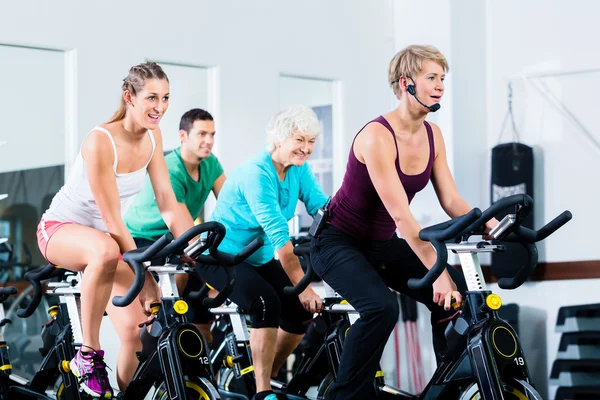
(344, 302)
(228, 362)
(180, 307)
(66, 366)
(53, 311)
(493, 301)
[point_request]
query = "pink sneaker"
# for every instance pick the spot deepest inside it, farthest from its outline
(90, 370)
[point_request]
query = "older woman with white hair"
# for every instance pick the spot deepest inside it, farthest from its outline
(257, 200)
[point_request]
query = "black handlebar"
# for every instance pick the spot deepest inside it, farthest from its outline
(166, 246)
(177, 246)
(438, 235)
(6, 291)
(216, 234)
(10, 263)
(136, 259)
(225, 260)
(542, 233)
(35, 277)
(527, 237)
(446, 231)
(522, 202)
(302, 250)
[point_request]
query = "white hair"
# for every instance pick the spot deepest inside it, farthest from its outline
(289, 120)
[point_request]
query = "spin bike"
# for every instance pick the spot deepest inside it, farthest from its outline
(11, 387)
(174, 361)
(61, 336)
(485, 359)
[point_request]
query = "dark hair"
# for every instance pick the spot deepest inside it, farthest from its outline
(195, 114)
(135, 81)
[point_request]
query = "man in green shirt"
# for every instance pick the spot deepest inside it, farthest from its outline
(194, 173)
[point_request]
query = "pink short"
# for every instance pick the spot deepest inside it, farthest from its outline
(45, 231)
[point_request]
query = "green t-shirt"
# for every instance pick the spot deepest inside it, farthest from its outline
(143, 218)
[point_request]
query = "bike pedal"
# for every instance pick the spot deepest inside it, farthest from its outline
(238, 358)
(148, 323)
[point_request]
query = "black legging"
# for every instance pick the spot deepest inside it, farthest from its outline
(259, 292)
(362, 273)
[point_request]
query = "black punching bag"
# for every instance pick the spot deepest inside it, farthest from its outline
(512, 173)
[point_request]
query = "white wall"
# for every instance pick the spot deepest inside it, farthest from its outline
(250, 43)
(468, 72)
(496, 42)
(526, 38)
(304, 90)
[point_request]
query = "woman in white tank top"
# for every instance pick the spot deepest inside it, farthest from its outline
(83, 228)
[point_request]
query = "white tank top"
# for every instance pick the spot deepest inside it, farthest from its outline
(75, 202)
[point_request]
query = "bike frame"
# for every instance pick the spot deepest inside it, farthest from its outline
(173, 348)
(488, 351)
(62, 337)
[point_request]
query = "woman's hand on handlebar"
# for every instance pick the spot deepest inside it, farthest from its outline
(444, 289)
(311, 301)
(149, 294)
(491, 224)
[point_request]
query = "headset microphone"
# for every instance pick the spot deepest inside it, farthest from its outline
(411, 89)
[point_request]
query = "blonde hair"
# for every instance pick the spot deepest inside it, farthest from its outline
(296, 118)
(134, 82)
(409, 62)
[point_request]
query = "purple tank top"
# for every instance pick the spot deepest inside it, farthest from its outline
(356, 207)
